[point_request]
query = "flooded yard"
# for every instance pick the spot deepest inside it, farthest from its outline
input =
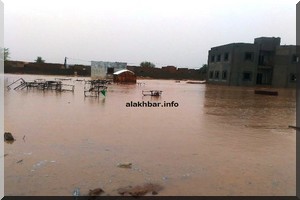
(219, 140)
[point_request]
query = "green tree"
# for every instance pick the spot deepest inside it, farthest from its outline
(147, 64)
(39, 60)
(203, 69)
(6, 54)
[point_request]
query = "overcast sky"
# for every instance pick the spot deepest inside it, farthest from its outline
(165, 32)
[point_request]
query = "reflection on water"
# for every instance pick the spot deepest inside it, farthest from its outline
(219, 140)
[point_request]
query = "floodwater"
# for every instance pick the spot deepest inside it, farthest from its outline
(219, 140)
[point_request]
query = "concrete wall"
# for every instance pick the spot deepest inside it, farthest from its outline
(220, 59)
(267, 43)
(242, 64)
(285, 66)
(45, 68)
(99, 69)
(263, 62)
(168, 73)
(235, 64)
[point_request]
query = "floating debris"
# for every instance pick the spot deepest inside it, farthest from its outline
(152, 93)
(266, 92)
(8, 137)
(19, 161)
(295, 127)
(140, 190)
(79, 80)
(125, 165)
(95, 192)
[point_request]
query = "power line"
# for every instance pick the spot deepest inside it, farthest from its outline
(78, 59)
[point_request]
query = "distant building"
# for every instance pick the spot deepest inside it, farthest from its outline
(124, 76)
(104, 70)
(264, 62)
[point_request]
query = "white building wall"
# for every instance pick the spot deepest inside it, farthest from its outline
(99, 68)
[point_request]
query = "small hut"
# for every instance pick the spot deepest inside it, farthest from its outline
(124, 76)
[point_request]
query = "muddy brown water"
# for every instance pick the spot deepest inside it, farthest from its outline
(219, 140)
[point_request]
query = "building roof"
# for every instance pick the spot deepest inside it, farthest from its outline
(232, 44)
(122, 71)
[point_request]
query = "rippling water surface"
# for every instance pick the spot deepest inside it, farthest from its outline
(219, 140)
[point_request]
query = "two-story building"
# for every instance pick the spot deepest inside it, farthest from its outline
(249, 64)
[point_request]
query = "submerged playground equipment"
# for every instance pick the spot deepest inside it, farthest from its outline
(40, 84)
(93, 88)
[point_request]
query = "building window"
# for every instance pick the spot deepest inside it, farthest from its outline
(249, 56)
(212, 58)
(219, 58)
(293, 78)
(216, 74)
(224, 75)
(295, 59)
(247, 76)
(211, 74)
(226, 56)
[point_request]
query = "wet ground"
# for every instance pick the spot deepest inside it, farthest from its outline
(218, 141)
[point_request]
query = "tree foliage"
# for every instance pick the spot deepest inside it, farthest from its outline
(203, 69)
(147, 64)
(39, 60)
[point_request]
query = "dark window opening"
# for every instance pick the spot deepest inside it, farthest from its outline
(226, 57)
(295, 58)
(219, 58)
(211, 74)
(249, 56)
(247, 76)
(224, 75)
(216, 74)
(212, 59)
(293, 78)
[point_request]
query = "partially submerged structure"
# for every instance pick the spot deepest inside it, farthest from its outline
(105, 70)
(124, 76)
(264, 62)
(93, 88)
(155, 93)
(41, 84)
